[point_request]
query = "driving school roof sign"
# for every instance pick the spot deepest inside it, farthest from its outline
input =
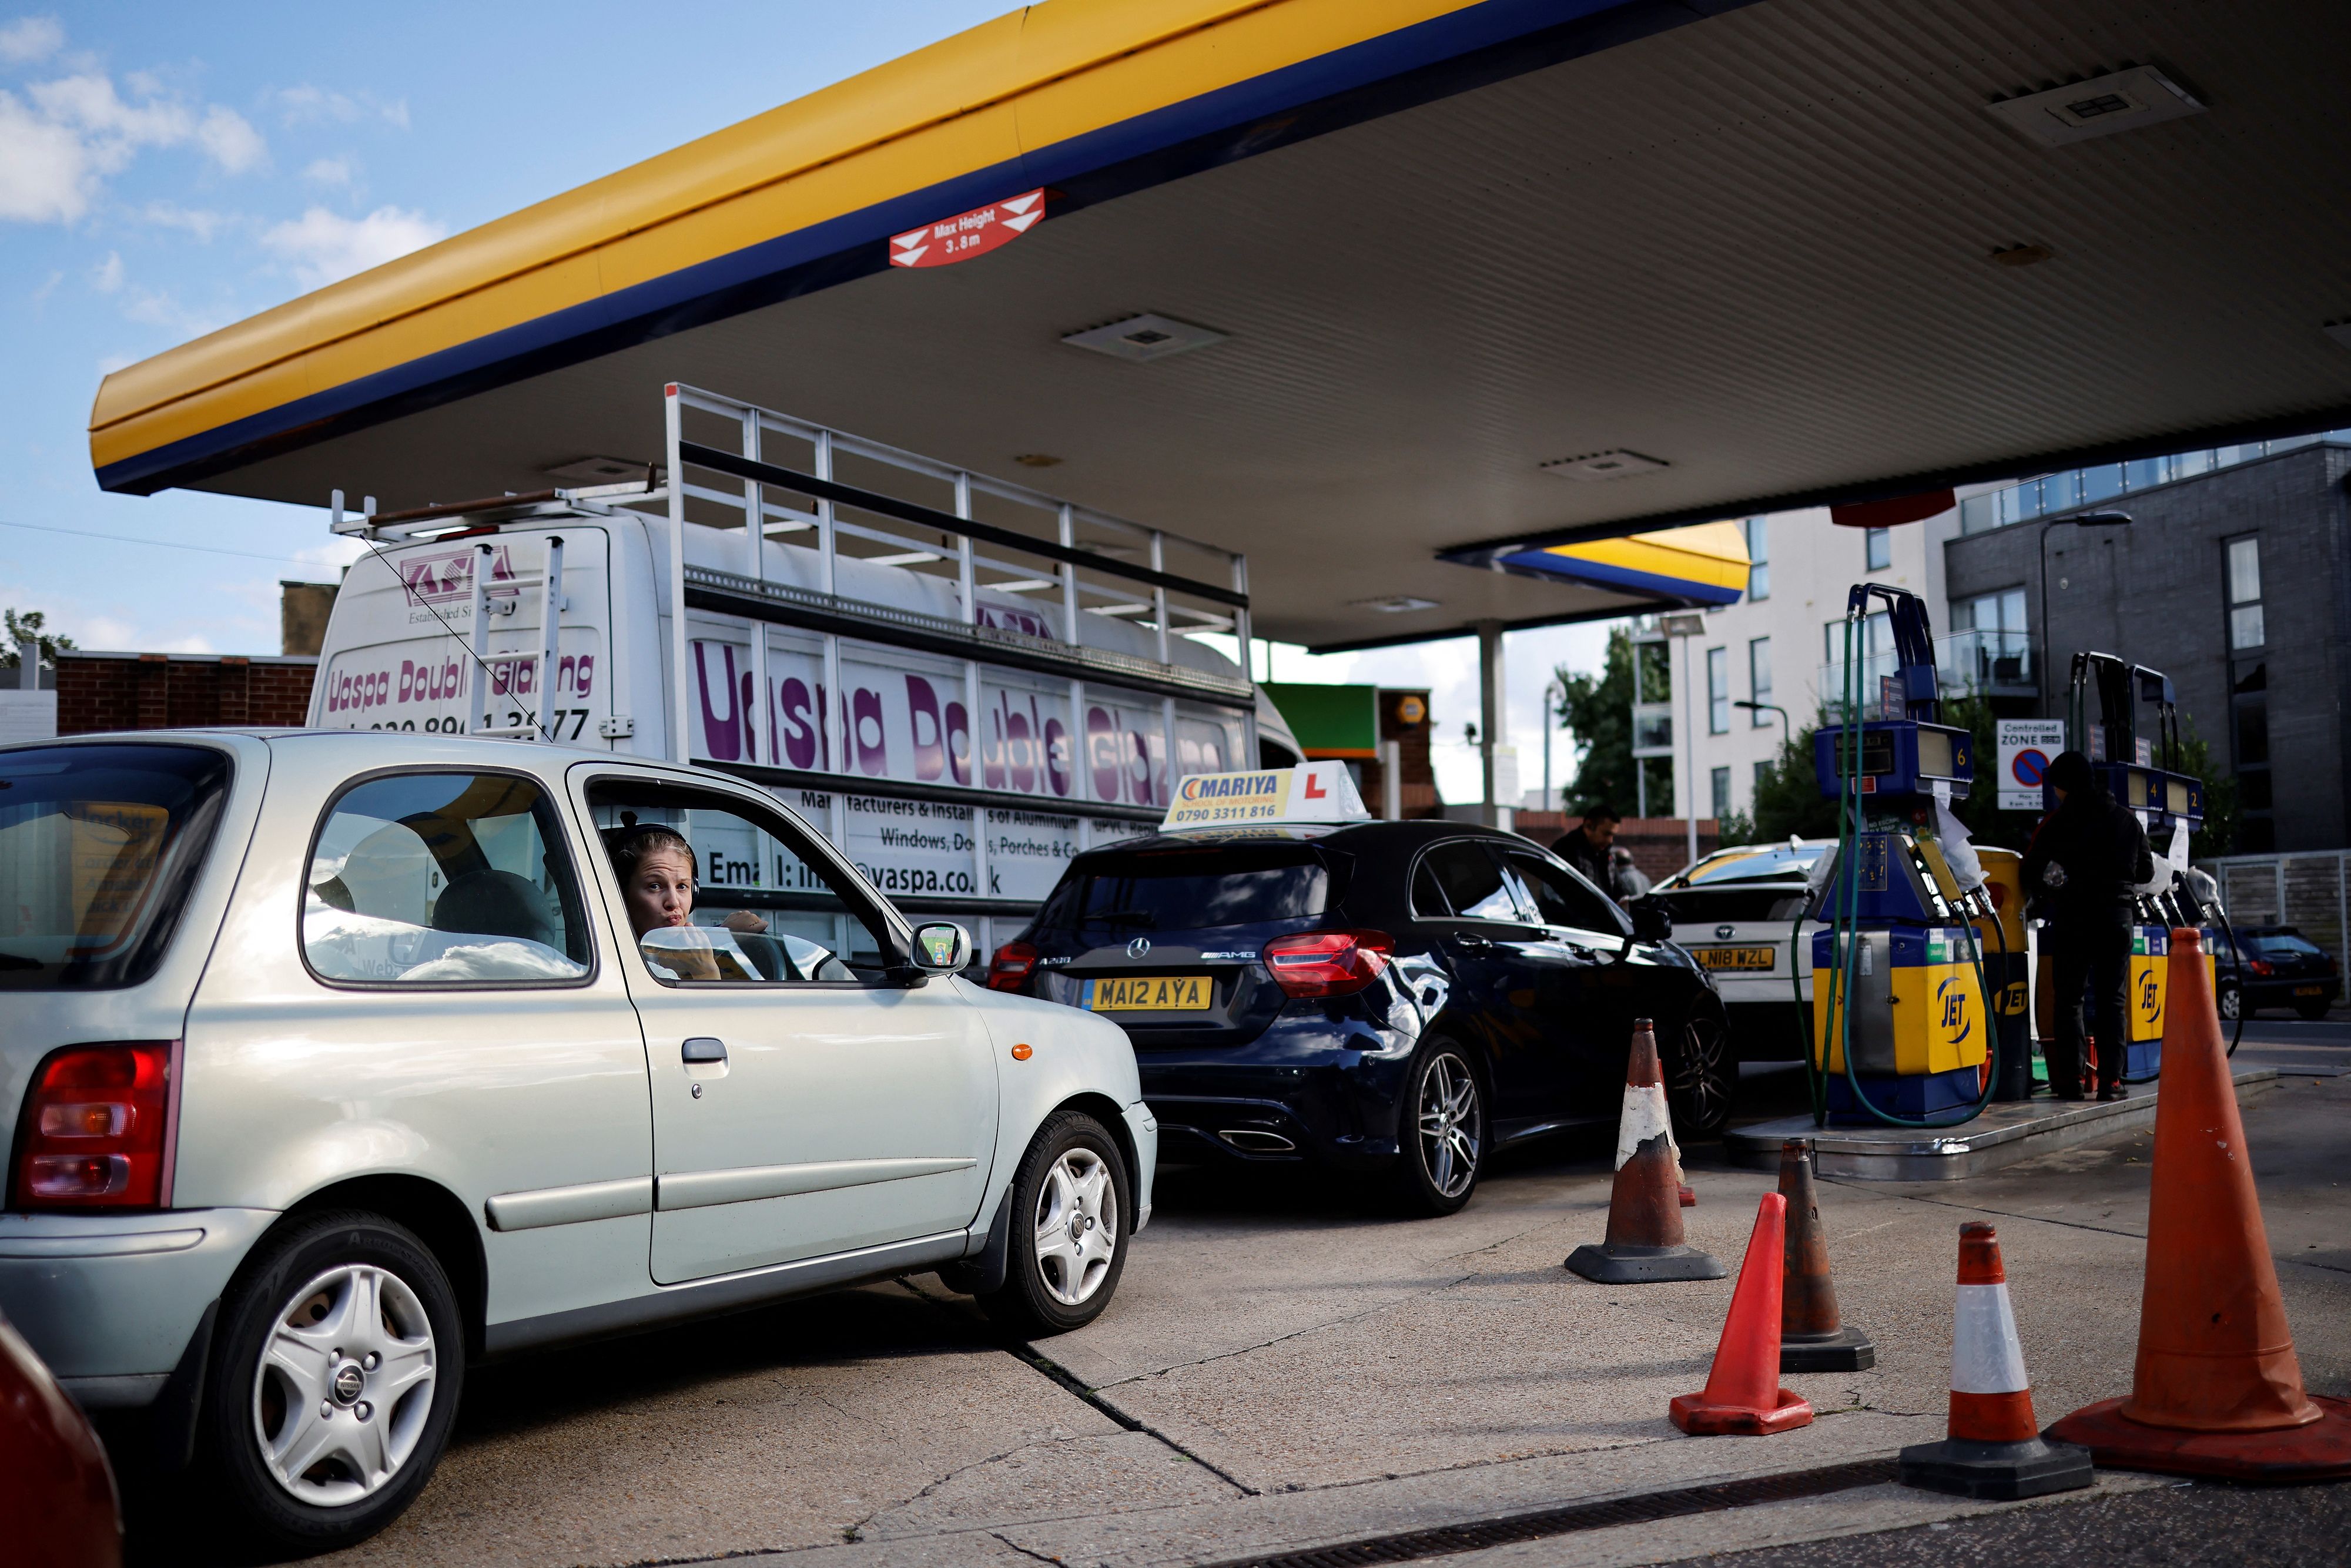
(966, 234)
(1318, 792)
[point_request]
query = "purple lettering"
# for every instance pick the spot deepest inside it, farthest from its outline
(1057, 757)
(799, 725)
(865, 728)
(1102, 752)
(958, 743)
(723, 737)
(930, 750)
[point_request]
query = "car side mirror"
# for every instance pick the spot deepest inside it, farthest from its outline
(1652, 922)
(942, 948)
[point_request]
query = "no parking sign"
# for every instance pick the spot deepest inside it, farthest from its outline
(2026, 747)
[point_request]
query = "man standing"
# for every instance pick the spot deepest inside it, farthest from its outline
(2086, 859)
(1585, 846)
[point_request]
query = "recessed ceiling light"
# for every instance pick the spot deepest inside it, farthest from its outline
(1393, 604)
(1145, 338)
(2019, 255)
(1616, 464)
(1036, 460)
(597, 470)
(2118, 100)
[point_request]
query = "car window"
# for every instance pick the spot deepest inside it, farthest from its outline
(100, 846)
(718, 892)
(1427, 898)
(2279, 943)
(1472, 881)
(1562, 898)
(437, 879)
(1118, 893)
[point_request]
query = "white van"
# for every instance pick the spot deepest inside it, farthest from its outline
(963, 681)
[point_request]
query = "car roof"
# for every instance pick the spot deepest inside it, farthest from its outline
(1353, 837)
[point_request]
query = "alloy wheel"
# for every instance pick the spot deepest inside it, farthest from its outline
(1449, 1122)
(1077, 1226)
(344, 1385)
(1701, 1078)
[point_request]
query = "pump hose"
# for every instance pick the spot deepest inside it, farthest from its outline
(2236, 966)
(1846, 927)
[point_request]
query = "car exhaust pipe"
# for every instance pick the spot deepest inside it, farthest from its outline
(1257, 1140)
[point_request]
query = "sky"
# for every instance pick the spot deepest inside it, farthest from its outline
(168, 169)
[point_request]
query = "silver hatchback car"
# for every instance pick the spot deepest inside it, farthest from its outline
(338, 1060)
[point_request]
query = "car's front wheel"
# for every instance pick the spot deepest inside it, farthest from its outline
(1070, 1199)
(1442, 1132)
(2231, 1004)
(1700, 1072)
(335, 1378)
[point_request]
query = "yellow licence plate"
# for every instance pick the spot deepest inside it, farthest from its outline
(1150, 993)
(1735, 957)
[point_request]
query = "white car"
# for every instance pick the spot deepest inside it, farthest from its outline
(1735, 911)
(335, 1067)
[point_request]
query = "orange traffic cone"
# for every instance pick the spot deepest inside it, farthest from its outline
(2217, 1389)
(1742, 1388)
(1644, 1240)
(1994, 1449)
(1811, 1338)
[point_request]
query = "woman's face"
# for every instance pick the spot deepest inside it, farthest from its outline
(661, 893)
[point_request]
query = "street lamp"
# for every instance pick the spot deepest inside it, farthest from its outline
(2081, 520)
(1681, 628)
(1786, 733)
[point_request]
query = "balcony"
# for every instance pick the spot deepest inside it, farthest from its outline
(1967, 663)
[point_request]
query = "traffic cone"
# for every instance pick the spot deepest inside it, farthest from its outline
(2217, 1389)
(1994, 1449)
(1644, 1240)
(1742, 1388)
(1811, 1337)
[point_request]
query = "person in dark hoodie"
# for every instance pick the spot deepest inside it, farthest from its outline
(2084, 862)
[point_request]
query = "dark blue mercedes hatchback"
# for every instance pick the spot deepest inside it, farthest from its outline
(1398, 997)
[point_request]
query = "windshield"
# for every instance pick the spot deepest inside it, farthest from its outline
(2277, 942)
(1132, 891)
(99, 847)
(1750, 863)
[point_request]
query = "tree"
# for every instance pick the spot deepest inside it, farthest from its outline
(30, 626)
(1598, 712)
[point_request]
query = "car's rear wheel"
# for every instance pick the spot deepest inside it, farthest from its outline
(1070, 1199)
(1700, 1072)
(334, 1380)
(2231, 1003)
(1442, 1129)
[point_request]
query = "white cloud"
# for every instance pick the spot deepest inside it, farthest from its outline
(335, 171)
(195, 221)
(161, 307)
(57, 150)
(322, 246)
(308, 105)
(29, 38)
(107, 276)
(229, 141)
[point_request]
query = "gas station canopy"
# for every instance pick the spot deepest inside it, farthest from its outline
(1353, 285)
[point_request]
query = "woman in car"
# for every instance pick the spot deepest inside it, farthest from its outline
(657, 868)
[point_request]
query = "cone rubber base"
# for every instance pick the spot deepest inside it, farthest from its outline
(2320, 1450)
(2002, 1472)
(1693, 1415)
(1846, 1350)
(1643, 1265)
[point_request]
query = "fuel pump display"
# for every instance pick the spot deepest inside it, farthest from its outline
(1903, 1032)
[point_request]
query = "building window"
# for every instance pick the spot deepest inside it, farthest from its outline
(1759, 680)
(1879, 545)
(1758, 558)
(1992, 645)
(1721, 782)
(1762, 777)
(2245, 626)
(1718, 691)
(2248, 727)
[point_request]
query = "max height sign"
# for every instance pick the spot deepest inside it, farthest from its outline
(966, 234)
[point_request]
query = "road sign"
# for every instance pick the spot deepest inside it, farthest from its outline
(2026, 746)
(966, 234)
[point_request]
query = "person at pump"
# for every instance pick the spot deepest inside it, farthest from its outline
(2084, 862)
(1626, 880)
(656, 870)
(1585, 846)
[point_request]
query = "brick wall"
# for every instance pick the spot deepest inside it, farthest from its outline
(1660, 845)
(178, 691)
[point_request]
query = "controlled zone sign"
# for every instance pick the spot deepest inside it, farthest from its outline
(2026, 747)
(1317, 792)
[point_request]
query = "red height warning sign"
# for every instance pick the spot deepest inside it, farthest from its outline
(966, 234)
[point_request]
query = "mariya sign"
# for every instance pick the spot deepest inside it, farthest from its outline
(1318, 792)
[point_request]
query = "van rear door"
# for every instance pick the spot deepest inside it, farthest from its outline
(399, 647)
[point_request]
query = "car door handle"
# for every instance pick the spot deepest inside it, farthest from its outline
(702, 1048)
(1471, 941)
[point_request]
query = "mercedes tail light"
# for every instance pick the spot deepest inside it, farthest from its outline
(1010, 968)
(96, 1131)
(1328, 963)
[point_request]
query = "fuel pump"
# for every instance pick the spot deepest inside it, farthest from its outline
(2144, 773)
(1902, 1019)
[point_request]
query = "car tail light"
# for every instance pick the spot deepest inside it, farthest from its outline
(2260, 966)
(1328, 963)
(97, 1129)
(1010, 968)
